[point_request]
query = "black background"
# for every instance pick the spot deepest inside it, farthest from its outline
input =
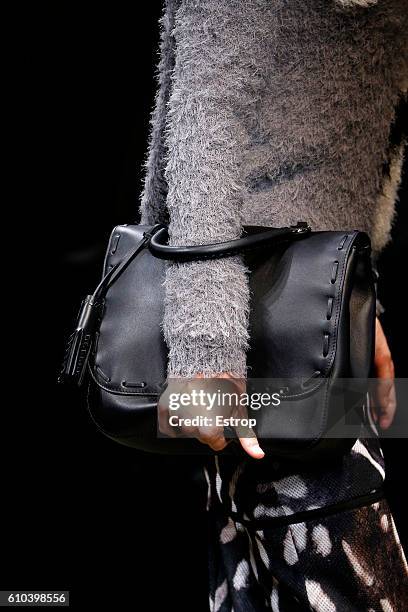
(79, 512)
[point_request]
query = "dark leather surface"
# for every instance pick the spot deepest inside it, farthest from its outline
(312, 317)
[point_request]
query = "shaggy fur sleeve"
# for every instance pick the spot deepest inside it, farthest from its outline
(192, 165)
(207, 303)
(153, 201)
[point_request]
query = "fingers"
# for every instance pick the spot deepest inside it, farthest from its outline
(385, 402)
(213, 436)
(163, 421)
(250, 443)
(385, 396)
(210, 434)
(251, 446)
(387, 415)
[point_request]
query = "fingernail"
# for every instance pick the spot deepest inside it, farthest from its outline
(258, 451)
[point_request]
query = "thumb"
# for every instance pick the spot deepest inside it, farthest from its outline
(251, 446)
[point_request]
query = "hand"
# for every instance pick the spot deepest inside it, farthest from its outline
(385, 403)
(211, 435)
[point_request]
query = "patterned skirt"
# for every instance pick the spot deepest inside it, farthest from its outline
(319, 539)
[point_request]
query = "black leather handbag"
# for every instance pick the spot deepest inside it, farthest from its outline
(312, 324)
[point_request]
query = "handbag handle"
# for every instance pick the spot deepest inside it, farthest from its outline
(155, 240)
(158, 247)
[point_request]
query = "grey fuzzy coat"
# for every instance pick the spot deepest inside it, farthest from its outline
(267, 112)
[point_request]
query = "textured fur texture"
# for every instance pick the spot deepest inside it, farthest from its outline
(267, 113)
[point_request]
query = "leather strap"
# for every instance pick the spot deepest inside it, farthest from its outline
(316, 514)
(159, 248)
(114, 273)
